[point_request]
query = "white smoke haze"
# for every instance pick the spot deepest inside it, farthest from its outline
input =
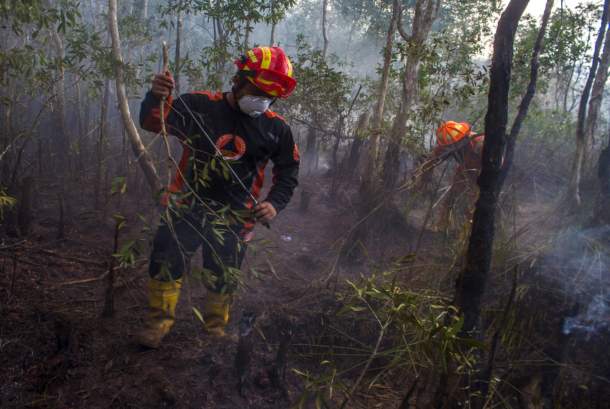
(595, 319)
(581, 264)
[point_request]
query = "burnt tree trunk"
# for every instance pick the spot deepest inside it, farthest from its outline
(579, 155)
(486, 374)
(471, 284)
(473, 278)
(529, 93)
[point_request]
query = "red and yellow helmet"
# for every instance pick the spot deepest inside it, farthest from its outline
(271, 70)
(451, 132)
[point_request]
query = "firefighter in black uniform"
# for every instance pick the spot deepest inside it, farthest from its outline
(213, 200)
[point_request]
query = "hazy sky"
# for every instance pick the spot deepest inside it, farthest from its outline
(536, 7)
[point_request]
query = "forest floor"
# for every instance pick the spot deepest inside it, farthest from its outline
(57, 351)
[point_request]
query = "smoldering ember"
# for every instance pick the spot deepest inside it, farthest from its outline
(292, 204)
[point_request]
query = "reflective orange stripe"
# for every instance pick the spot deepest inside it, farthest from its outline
(266, 63)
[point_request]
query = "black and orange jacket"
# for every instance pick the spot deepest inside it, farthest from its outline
(246, 143)
(468, 157)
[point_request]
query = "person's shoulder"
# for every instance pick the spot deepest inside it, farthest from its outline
(200, 101)
(276, 120)
(209, 95)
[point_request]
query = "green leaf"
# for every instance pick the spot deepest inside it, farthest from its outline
(198, 315)
(318, 400)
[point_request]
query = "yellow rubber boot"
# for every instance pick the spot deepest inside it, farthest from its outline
(216, 313)
(162, 300)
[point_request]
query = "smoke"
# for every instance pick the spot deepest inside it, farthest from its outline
(596, 318)
(581, 261)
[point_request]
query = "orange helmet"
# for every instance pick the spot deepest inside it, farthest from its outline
(451, 132)
(271, 70)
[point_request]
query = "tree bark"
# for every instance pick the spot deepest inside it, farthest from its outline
(601, 216)
(100, 151)
(425, 14)
(247, 35)
(349, 167)
(471, 284)
(60, 92)
(272, 37)
(324, 28)
(369, 174)
(529, 93)
(142, 155)
(177, 61)
(311, 148)
(597, 94)
(273, 24)
(486, 374)
(473, 278)
(579, 155)
(24, 211)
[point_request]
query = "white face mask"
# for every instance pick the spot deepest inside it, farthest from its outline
(253, 106)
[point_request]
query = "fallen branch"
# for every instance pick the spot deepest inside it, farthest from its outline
(83, 280)
(73, 259)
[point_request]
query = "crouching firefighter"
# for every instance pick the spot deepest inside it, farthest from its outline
(456, 140)
(227, 140)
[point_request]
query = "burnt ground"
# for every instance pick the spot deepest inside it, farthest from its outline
(57, 351)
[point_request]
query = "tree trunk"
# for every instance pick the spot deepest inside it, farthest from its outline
(597, 94)
(177, 61)
(579, 156)
(60, 92)
(141, 9)
(425, 14)
(324, 28)
(138, 147)
(24, 211)
(100, 151)
(247, 35)
(7, 131)
(311, 149)
(601, 216)
(486, 374)
(471, 283)
(273, 24)
(529, 93)
(272, 36)
(349, 166)
(369, 174)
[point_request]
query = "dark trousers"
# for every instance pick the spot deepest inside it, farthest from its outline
(180, 235)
